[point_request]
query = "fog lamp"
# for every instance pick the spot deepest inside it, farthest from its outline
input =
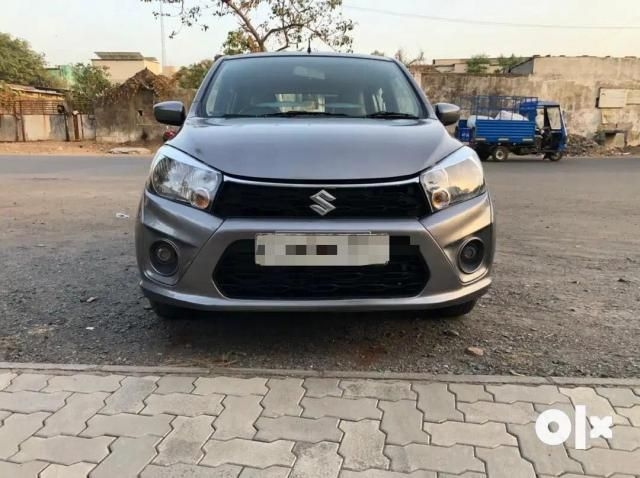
(471, 256)
(164, 258)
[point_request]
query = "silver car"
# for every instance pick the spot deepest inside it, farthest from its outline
(304, 182)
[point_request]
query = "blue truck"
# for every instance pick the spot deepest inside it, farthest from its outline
(496, 126)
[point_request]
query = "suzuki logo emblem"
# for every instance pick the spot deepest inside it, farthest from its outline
(322, 202)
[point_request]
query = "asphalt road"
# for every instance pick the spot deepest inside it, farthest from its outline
(566, 299)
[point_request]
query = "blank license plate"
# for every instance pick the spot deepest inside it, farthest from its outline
(285, 249)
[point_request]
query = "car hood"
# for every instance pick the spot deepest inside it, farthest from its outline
(316, 149)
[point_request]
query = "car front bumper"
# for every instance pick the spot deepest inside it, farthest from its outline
(201, 239)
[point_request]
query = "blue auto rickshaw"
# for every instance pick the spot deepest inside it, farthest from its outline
(496, 126)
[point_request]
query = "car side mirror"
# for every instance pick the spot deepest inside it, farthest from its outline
(447, 113)
(170, 112)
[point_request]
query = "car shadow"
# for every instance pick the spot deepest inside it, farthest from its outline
(363, 340)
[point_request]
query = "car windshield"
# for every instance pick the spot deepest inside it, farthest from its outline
(295, 86)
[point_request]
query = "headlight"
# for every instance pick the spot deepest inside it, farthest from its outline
(455, 179)
(178, 177)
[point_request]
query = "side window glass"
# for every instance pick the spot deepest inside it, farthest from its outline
(554, 118)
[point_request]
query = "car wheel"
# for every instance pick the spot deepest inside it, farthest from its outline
(500, 153)
(169, 312)
(457, 310)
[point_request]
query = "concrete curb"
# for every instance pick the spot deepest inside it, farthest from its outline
(52, 368)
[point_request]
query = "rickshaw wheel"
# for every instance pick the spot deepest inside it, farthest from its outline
(483, 154)
(553, 156)
(500, 153)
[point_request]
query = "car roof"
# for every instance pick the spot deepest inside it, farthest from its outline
(304, 53)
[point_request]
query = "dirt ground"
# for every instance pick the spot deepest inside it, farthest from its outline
(566, 297)
(580, 146)
(81, 148)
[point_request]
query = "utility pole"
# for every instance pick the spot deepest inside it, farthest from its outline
(162, 39)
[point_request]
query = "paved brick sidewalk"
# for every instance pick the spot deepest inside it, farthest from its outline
(119, 426)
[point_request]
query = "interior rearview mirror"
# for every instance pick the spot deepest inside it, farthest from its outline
(447, 113)
(170, 112)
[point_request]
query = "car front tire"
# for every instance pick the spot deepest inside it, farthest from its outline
(169, 312)
(457, 310)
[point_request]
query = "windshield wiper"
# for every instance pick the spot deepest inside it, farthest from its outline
(391, 115)
(234, 115)
(291, 114)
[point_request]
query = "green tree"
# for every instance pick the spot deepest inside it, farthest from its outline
(478, 64)
(54, 81)
(90, 82)
(268, 25)
(20, 64)
(507, 62)
(191, 76)
(378, 53)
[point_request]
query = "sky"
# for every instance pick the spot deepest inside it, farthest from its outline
(69, 31)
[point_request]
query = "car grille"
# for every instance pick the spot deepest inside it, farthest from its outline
(398, 200)
(238, 277)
